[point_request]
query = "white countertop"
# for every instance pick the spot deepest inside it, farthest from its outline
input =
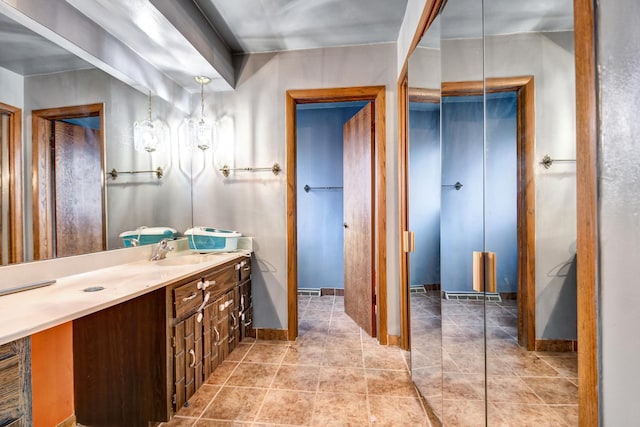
(25, 313)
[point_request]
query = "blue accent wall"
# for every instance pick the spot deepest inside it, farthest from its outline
(320, 217)
(424, 192)
(465, 212)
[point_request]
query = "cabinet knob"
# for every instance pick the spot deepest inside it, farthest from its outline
(190, 297)
(345, 225)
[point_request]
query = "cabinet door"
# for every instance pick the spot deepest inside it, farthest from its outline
(188, 373)
(222, 326)
(211, 339)
(233, 300)
(246, 311)
(15, 380)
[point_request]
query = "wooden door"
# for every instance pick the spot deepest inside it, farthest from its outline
(78, 190)
(359, 285)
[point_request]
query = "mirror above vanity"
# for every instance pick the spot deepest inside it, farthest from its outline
(70, 94)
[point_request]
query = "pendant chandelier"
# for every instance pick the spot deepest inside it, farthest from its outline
(198, 132)
(149, 135)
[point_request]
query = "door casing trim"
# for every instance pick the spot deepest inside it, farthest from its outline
(375, 94)
(41, 161)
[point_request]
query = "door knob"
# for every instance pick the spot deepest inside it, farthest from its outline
(345, 225)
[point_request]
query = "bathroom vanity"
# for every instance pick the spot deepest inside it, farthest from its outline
(146, 342)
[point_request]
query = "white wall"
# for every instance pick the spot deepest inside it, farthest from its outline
(619, 209)
(255, 203)
(11, 88)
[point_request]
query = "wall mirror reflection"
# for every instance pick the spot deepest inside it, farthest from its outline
(65, 125)
(492, 277)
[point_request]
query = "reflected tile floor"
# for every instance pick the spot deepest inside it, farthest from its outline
(523, 388)
(332, 375)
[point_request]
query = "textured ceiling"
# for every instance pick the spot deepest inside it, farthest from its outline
(27, 53)
(176, 44)
(276, 25)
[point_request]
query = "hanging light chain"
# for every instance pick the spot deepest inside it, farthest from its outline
(149, 105)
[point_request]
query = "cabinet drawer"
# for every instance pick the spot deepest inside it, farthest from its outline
(186, 299)
(223, 279)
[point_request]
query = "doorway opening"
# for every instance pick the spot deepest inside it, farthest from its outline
(374, 177)
(11, 243)
(68, 183)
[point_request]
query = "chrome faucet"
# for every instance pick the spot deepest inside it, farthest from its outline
(160, 250)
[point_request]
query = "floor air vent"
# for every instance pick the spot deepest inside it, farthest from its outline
(309, 292)
(472, 296)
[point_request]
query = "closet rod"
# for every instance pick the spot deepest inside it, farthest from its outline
(457, 185)
(547, 161)
(307, 188)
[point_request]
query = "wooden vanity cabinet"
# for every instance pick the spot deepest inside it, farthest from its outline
(140, 361)
(15, 384)
(245, 302)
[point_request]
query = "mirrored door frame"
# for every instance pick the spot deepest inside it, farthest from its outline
(586, 168)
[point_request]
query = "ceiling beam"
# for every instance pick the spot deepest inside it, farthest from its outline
(64, 25)
(187, 18)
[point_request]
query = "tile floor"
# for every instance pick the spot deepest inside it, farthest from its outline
(332, 375)
(522, 388)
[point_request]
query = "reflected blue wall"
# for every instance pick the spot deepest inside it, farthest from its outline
(424, 192)
(459, 213)
(320, 218)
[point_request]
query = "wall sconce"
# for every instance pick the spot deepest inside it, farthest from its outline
(198, 132)
(150, 135)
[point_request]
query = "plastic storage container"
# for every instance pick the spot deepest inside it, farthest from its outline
(146, 236)
(208, 239)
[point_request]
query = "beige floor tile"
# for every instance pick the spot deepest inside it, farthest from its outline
(509, 389)
(522, 415)
(459, 387)
(222, 373)
(295, 377)
(346, 380)
(265, 353)
(304, 355)
(235, 404)
(287, 407)
(566, 366)
(463, 413)
(384, 358)
(396, 412)
(221, 423)
(340, 409)
(253, 375)
(389, 383)
(554, 390)
(336, 356)
(199, 401)
(238, 353)
(177, 422)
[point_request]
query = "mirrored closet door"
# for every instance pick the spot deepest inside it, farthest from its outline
(491, 196)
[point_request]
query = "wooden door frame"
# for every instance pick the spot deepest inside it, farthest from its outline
(16, 253)
(587, 196)
(376, 95)
(41, 159)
